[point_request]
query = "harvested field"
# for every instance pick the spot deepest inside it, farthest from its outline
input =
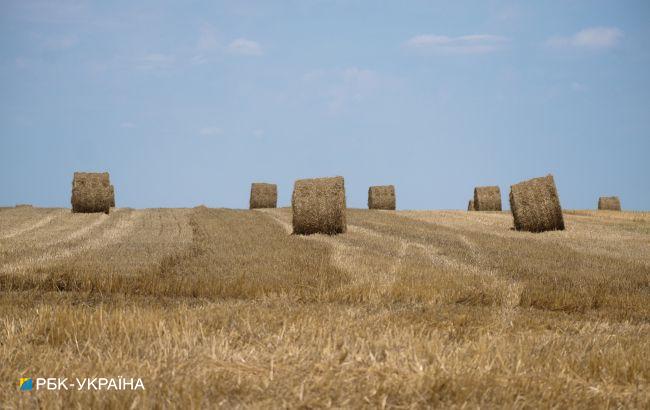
(225, 308)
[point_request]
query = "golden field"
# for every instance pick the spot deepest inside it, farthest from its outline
(408, 309)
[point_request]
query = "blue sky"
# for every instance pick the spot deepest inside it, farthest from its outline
(187, 103)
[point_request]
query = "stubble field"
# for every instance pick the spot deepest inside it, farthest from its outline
(409, 309)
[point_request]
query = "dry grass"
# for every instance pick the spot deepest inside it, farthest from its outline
(224, 308)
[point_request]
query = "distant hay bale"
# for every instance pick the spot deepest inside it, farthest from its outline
(609, 203)
(318, 206)
(470, 205)
(112, 193)
(382, 197)
(263, 195)
(90, 178)
(24, 206)
(487, 198)
(91, 192)
(535, 205)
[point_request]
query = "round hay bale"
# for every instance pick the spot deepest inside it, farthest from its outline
(609, 203)
(470, 205)
(112, 193)
(263, 195)
(535, 205)
(381, 197)
(318, 206)
(92, 178)
(91, 192)
(487, 198)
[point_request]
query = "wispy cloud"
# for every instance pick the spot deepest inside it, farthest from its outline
(469, 44)
(154, 61)
(594, 38)
(207, 40)
(245, 47)
(210, 131)
(207, 45)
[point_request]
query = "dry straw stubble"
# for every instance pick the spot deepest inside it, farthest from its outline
(91, 192)
(535, 205)
(609, 203)
(382, 197)
(318, 206)
(487, 198)
(263, 195)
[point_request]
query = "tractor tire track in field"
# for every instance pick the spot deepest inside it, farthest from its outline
(349, 257)
(122, 224)
(348, 254)
(30, 227)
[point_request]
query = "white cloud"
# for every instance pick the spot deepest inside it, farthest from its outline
(210, 131)
(469, 44)
(154, 61)
(245, 47)
(595, 38)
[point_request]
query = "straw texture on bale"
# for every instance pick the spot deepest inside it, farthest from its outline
(470, 205)
(318, 206)
(91, 192)
(535, 205)
(487, 198)
(381, 197)
(609, 203)
(263, 195)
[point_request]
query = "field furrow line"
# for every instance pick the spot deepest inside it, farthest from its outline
(31, 227)
(108, 237)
